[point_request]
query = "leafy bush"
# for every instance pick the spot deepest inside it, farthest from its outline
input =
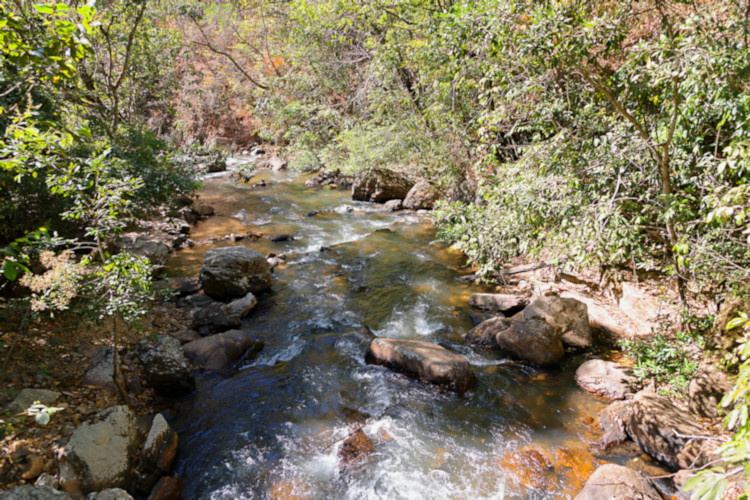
(713, 482)
(670, 362)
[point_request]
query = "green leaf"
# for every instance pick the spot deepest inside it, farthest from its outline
(10, 271)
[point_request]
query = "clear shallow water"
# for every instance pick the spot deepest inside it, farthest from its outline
(273, 430)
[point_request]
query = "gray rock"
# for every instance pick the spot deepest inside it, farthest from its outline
(218, 316)
(110, 494)
(27, 397)
(144, 246)
(422, 360)
(47, 480)
(216, 352)
(485, 334)
(532, 340)
(166, 367)
(666, 432)
(613, 422)
(98, 453)
(422, 195)
(605, 378)
(233, 272)
(612, 481)
(28, 492)
(179, 287)
(101, 370)
(499, 302)
(380, 185)
(706, 390)
(394, 205)
(202, 209)
(566, 314)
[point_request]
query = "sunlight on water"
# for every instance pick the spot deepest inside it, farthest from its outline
(275, 428)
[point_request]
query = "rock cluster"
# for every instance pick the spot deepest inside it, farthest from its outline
(537, 332)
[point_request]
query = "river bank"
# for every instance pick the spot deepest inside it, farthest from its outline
(278, 422)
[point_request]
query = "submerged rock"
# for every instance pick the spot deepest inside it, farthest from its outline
(499, 302)
(616, 481)
(380, 185)
(216, 352)
(532, 340)
(605, 378)
(355, 450)
(233, 272)
(422, 360)
(422, 195)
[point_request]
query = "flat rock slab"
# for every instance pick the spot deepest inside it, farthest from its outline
(605, 378)
(422, 360)
(28, 397)
(500, 302)
(615, 481)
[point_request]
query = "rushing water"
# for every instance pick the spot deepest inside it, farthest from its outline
(273, 430)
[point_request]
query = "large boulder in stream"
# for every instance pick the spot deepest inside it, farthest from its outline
(668, 433)
(422, 195)
(233, 272)
(532, 340)
(380, 185)
(423, 361)
(215, 353)
(616, 481)
(568, 315)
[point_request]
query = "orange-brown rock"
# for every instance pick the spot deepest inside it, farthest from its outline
(167, 488)
(573, 467)
(529, 468)
(288, 490)
(355, 450)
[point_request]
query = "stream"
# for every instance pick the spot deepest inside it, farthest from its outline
(274, 428)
